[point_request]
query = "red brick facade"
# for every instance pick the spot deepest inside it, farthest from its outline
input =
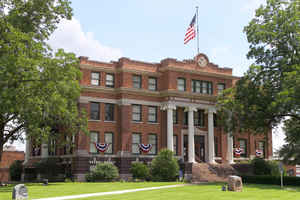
(123, 95)
(8, 157)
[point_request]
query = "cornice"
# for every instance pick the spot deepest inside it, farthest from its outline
(147, 93)
(118, 70)
(191, 71)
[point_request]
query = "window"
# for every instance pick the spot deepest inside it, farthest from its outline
(152, 83)
(109, 112)
(185, 118)
(152, 114)
(175, 144)
(137, 113)
(196, 86)
(181, 86)
(243, 146)
(110, 80)
(199, 118)
(93, 139)
(216, 146)
(137, 81)
(206, 87)
(95, 78)
(36, 150)
(261, 146)
(136, 140)
(52, 147)
(108, 139)
(152, 139)
(203, 87)
(221, 87)
(70, 141)
(175, 116)
(95, 111)
(215, 120)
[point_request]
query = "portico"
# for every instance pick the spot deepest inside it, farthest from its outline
(209, 143)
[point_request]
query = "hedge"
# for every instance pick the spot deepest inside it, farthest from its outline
(273, 180)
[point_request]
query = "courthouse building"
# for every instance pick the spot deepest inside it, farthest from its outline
(136, 108)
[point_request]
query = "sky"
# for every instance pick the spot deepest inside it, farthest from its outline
(154, 30)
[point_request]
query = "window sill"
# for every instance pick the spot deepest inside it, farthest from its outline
(94, 120)
(109, 121)
(137, 122)
(153, 123)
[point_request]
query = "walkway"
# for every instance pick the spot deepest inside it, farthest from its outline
(111, 193)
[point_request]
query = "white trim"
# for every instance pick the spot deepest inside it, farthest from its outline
(85, 99)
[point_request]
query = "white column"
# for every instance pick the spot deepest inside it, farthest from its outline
(27, 150)
(170, 127)
(230, 148)
(44, 150)
(191, 131)
(211, 142)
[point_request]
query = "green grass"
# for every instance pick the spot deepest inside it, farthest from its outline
(37, 190)
(209, 192)
(190, 192)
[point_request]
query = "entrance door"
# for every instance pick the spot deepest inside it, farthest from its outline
(199, 148)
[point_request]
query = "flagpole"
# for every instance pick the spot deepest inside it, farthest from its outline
(197, 30)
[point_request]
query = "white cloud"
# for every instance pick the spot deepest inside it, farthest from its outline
(70, 36)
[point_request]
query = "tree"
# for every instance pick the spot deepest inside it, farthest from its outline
(38, 89)
(290, 152)
(269, 92)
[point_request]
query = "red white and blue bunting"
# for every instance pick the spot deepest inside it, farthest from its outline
(145, 147)
(258, 153)
(238, 151)
(102, 147)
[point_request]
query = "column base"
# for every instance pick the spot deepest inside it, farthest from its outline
(212, 162)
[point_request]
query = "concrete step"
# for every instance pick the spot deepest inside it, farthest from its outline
(204, 172)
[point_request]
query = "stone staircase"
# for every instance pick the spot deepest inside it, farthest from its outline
(204, 172)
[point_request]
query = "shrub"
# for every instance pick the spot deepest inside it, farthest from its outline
(140, 171)
(103, 172)
(48, 168)
(261, 167)
(164, 166)
(15, 170)
(272, 180)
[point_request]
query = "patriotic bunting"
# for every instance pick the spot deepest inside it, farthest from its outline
(258, 153)
(145, 147)
(238, 151)
(102, 147)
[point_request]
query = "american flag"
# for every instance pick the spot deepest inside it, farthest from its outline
(190, 32)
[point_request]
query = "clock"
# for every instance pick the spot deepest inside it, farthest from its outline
(202, 61)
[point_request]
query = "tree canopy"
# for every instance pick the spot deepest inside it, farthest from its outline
(268, 93)
(39, 89)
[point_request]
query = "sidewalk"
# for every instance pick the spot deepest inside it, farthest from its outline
(111, 193)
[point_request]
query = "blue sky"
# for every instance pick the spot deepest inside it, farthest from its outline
(153, 30)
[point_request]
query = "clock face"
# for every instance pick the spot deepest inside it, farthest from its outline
(202, 61)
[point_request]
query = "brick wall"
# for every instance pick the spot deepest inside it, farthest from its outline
(8, 157)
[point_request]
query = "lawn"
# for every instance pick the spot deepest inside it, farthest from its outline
(190, 192)
(37, 190)
(210, 192)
